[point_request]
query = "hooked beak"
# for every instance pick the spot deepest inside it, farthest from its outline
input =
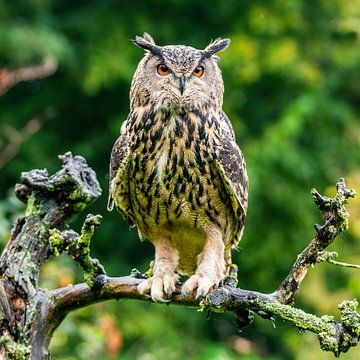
(182, 84)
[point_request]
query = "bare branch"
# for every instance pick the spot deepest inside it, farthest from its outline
(335, 218)
(334, 336)
(9, 78)
(53, 199)
(330, 256)
(18, 137)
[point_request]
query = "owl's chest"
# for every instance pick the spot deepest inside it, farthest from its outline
(169, 171)
(171, 175)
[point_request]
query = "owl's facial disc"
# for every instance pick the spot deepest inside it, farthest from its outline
(178, 77)
(182, 80)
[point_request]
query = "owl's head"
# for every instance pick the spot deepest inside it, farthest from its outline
(178, 78)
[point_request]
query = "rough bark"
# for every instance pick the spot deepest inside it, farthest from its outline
(50, 202)
(29, 315)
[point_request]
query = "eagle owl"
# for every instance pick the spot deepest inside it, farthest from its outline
(176, 172)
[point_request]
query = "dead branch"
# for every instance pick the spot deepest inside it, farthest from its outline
(16, 138)
(52, 200)
(9, 78)
(335, 218)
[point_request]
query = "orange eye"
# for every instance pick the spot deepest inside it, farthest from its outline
(199, 71)
(162, 69)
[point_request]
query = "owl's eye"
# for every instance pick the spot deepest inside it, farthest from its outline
(162, 69)
(199, 71)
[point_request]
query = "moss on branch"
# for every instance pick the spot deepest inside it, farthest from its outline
(78, 247)
(52, 200)
(336, 337)
(335, 217)
(14, 350)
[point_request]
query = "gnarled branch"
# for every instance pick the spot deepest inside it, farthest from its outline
(335, 218)
(52, 200)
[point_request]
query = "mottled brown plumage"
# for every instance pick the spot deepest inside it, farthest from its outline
(176, 172)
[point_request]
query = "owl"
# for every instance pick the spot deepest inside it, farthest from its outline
(176, 172)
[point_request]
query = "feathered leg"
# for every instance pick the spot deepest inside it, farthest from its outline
(211, 266)
(164, 277)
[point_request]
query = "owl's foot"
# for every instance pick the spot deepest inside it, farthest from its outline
(204, 284)
(159, 285)
(163, 278)
(211, 268)
(200, 285)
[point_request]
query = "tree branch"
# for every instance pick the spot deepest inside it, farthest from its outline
(335, 218)
(78, 247)
(51, 200)
(330, 256)
(9, 78)
(334, 336)
(17, 137)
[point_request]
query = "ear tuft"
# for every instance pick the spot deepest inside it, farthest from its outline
(148, 38)
(147, 43)
(216, 46)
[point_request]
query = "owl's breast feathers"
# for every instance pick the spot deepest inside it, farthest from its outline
(179, 168)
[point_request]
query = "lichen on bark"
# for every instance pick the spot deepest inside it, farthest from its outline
(29, 315)
(78, 247)
(50, 202)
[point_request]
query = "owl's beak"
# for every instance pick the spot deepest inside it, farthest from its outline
(182, 84)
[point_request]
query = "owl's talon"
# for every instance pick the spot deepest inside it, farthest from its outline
(160, 287)
(144, 287)
(162, 300)
(199, 295)
(183, 295)
(201, 284)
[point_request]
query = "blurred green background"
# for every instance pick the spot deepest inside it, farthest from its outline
(292, 80)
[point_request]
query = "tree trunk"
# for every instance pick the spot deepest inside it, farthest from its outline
(50, 202)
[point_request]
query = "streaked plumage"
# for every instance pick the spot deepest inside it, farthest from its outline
(176, 172)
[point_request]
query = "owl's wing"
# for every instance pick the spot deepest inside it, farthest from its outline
(120, 161)
(228, 126)
(231, 168)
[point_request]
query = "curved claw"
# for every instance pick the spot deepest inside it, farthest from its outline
(183, 295)
(169, 294)
(160, 285)
(199, 294)
(162, 300)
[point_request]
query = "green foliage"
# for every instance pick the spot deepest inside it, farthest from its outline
(291, 77)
